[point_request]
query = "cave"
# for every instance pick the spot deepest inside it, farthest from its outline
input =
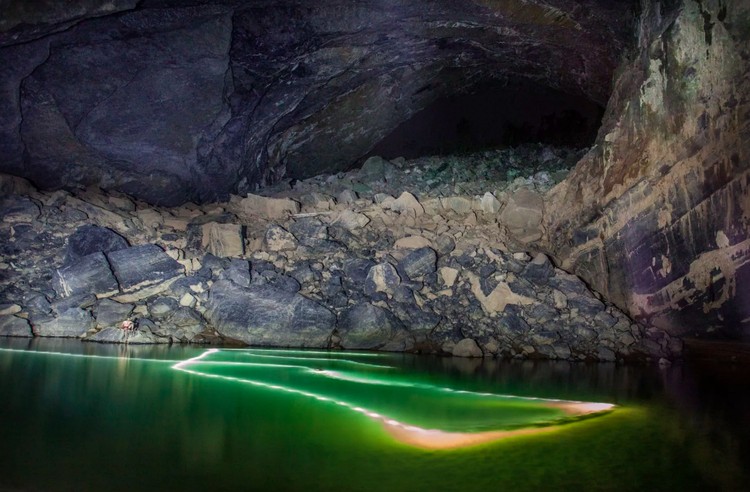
(374, 244)
(492, 116)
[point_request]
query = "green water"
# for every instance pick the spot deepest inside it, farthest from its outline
(77, 416)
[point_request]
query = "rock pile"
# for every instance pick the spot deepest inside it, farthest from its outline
(354, 260)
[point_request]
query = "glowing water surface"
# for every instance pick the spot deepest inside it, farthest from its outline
(92, 417)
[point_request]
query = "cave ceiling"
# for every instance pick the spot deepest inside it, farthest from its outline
(177, 101)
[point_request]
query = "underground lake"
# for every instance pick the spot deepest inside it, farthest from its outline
(101, 417)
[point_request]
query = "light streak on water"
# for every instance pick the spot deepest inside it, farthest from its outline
(408, 433)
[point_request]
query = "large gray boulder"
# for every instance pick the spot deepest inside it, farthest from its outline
(365, 326)
(71, 323)
(419, 263)
(90, 274)
(263, 315)
(111, 313)
(89, 239)
(143, 271)
(13, 326)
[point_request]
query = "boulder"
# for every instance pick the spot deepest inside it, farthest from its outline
(382, 277)
(90, 274)
(412, 242)
(351, 220)
(71, 323)
(162, 307)
(457, 204)
(419, 263)
(143, 271)
(365, 326)
(267, 208)
(8, 309)
(13, 326)
(279, 239)
(538, 270)
(467, 348)
(376, 168)
(111, 313)
(14, 209)
(263, 315)
(223, 240)
(489, 204)
(182, 324)
(523, 215)
(406, 203)
(238, 272)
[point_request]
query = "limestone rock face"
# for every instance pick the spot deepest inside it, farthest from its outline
(655, 216)
(263, 315)
(82, 93)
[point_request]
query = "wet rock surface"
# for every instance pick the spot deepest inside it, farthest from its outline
(433, 271)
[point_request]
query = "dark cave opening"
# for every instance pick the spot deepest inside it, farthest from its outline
(495, 115)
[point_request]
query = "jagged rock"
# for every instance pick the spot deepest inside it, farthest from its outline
(444, 245)
(523, 215)
(539, 270)
(71, 323)
(143, 271)
(382, 277)
(365, 326)
(351, 220)
(161, 307)
(448, 276)
(90, 274)
(262, 315)
(586, 305)
(267, 208)
(458, 204)
(111, 313)
(406, 203)
(223, 240)
(90, 239)
(80, 301)
(182, 324)
(489, 204)
(238, 272)
(16, 209)
(356, 271)
(279, 239)
(376, 168)
(308, 228)
(8, 309)
(13, 326)
(347, 197)
(467, 348)
(412, 242)
(276, 280)
(419, 263)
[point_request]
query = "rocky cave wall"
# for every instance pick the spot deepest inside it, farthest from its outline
(172, 101)
(657, 215)
(176, 101)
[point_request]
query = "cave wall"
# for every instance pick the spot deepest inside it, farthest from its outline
(657, 215)
(173, 101)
